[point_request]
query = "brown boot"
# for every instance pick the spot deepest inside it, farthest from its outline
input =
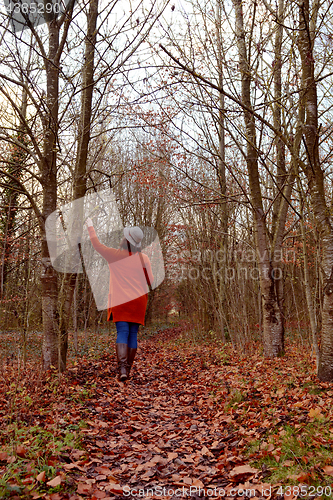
(121, 350)
(130, 358)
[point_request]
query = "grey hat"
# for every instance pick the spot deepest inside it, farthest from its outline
(134, 235)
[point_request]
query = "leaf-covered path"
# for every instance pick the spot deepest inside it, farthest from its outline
(159, 431)
(196, 420)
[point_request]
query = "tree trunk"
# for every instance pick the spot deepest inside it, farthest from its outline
(11, 195)
(49, 181)
(273, 327)
(221, 310)
(80, 179)
(315, 178)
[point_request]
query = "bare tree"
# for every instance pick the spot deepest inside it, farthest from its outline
(61, 128)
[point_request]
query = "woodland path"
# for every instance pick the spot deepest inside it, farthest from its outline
(160, 433)
(190, 423)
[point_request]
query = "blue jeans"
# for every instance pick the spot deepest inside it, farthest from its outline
(127, 333)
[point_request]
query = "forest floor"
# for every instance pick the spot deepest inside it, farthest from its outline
(196, 420)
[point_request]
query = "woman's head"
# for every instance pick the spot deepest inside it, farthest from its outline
(132, 239)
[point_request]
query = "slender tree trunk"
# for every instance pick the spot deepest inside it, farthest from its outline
(49, 278)
(281, 173)
(8, 217)
(308, 292)
(80, 179)
(273, 328)
(315, 178)
(222, 181)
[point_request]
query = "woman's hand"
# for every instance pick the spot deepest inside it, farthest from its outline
(89, 222)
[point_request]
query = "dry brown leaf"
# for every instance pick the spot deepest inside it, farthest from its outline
(68, 466)
(315, 413)
(176, 477)
(288, 463)
(55, 496)
(54, 482)
(73, 465)
(84, 489)
(205, 451)
(242, 470)
(99, 494)
(100, 444)
(114, 488)
(290, 496)
(21, 451)
(101, 469)
(90, 480)
(77, 453)
(35, 495)
(41, 477)
(328, 469)
(157, 459)
(196, 482)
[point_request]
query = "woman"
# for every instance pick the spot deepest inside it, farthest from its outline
(130, 272)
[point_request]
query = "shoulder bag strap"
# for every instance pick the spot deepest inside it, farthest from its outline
(143, 265)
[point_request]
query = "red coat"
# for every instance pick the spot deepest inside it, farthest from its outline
(128, 285)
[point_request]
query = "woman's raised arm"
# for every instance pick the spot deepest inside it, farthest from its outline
(105, 251)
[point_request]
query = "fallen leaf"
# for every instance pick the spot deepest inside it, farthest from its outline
(103, 470)
(175, 477)
(205, 451)
(21, 451)
(77, 454)
(35, 495)
(99, 494)
(41, 477)
(328, 469)
(288, 463)
(84, 489)
(54, 482)
(73, 466)
(196, 482)
(100, 444)
(315, 413)
(157, 459)
(290, 496)
(55, 496)
(241, 470)
(114, 488)
(100, 477)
